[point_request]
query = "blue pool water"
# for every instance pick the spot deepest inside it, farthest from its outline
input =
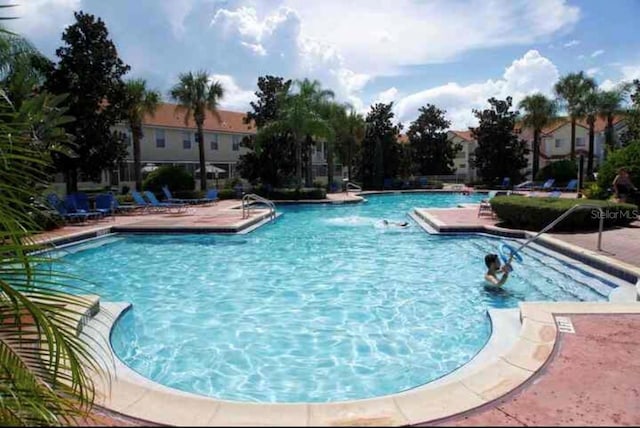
(322, 305)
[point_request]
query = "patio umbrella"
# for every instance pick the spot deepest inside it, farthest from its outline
(212, 169)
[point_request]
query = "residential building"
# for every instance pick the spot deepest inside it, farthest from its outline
(463, 160)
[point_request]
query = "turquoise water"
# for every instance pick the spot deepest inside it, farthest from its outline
(324, 304)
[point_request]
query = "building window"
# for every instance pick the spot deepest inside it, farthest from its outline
(579, 142)
(186, 140)
(160, 141)
(236, 139)
(213, 144)
(558, 143)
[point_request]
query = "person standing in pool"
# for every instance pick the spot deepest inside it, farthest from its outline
(493, 269)
(395, 223)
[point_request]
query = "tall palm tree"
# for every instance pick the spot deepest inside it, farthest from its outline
(572, 89)
(140, 102)
(590, 110)
(611, 103)
(300, 115)
(316, 97)
(195, 95)
(336, 115)
(354, 132)
(540, 111)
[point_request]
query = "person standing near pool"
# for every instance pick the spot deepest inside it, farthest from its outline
(623, 187)
(493, 269)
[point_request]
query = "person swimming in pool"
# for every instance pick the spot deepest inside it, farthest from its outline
(493, 269)
(395, 223)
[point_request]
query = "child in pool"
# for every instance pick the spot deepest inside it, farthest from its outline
(395, 223)
(493, 268)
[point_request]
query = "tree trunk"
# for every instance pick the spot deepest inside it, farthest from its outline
(309, 175)
(536, 154)
(609, 142)
(203, 166)
(135, 136)
(349, 157)
(329, 165)
(573, 139)
(298, 161)
(72, 180)
(590, 155)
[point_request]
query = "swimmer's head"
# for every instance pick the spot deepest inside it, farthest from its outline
(491, 259)
(385, 222)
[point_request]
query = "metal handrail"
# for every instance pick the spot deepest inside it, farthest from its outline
(562, 217)
(353, 186)
(250, 198)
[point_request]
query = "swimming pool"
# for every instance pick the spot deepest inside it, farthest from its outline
(324, 304)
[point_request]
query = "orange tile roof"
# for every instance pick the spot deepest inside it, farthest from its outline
(599, 125)
(231, 121)
(465, 135)
(403, 138)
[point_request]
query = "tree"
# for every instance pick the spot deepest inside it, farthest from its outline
(431, 151)
(379, 154)
(539, 112)
(195, 95)
(351, 135)
(336, 115)
(632, 117)
(572, 89)
(499, 153)
(590, 109)
(90, 72)
(140, 102)
(298, 114)
(270, 160)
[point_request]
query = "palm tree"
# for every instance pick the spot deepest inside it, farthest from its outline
(354, 132)
(610, 104)
(590, 109)
(316, 97)
(140, 102)
(300, 115)
(336, 115)
(540, 112)
(572, 89)
(195, 95)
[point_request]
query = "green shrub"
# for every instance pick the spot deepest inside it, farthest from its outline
(535, 213)
(628, 157)
(593, 191)
(231, 183)
(173, 176)
(562, 171)
(124, 199)
(226, 194)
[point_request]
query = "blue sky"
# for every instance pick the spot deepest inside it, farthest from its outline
(452, 53)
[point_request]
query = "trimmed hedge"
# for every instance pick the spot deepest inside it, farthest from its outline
(535, 213)
(226, 194)
(562, 171)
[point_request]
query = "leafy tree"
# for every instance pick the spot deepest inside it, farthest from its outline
(539, 112)
(352, 133)
(272, 159)
(499, 153)
(633, 115)
(90, 72)
(380, 151)
(336, 115)
(431, 151)
(299, 115)
(140, 102)
(572, 89)
(627, 157)
(609, 104)
(195, 95)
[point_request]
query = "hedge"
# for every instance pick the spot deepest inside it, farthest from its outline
(561, 171)
(627, 157)
(535, 213)
(173, 176)
(226, 194)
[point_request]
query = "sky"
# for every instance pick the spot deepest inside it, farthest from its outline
(452, 53)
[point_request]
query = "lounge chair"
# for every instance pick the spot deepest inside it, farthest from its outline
(56, 203)
(548, 185)
(140, 202)
(554, 194)
(170, 199)
(506, 183)
(155, 203)
(485, 204)
(422, 182)
(211, 196)
(524, 186)
(387, 183)
(79, 203)
(572, 186)
(107, 202)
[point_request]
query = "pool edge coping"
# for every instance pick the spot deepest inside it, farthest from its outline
(149, 401)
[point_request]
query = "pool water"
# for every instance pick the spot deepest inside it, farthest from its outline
(324, 304)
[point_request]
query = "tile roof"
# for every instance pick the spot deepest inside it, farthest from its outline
(465, 135)
(231, 121)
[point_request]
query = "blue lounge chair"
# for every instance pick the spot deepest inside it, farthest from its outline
(548, 184)
(54, 201)
(572, 186)
(140, 202)
(554, 194)
(79, 203)
(154, 202)
(422, 181)
(211, 196)
(506, 182)
(105, 204)
(387, 183)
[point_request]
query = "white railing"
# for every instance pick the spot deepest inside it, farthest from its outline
(352, 186)
(251, 199)
(562, 217)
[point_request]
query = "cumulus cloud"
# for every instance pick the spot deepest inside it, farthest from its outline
(597, 53)
(387, 96)
(572, 43)
(530, 74)
(630, 72)
(593, 71)
(235, 98)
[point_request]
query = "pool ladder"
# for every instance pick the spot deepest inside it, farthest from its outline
(251, 199)
(353, 187)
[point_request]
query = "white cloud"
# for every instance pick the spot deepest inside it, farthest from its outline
(235, 98)
(597, 53)
(529, 74)
(40, 18)
(581, 56)
(572, 43)
(608, 85)
(380, 37)
(387, 96)
(630, 72)
(176, 11)
(593, 71)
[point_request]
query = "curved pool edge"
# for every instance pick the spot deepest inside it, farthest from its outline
(462, 390)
